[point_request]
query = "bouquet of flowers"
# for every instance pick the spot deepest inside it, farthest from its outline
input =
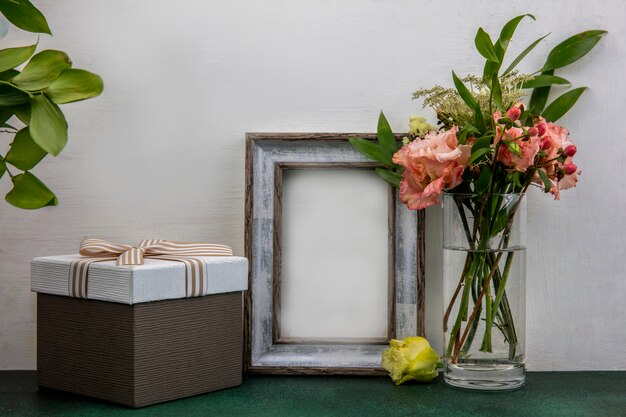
(496, 136)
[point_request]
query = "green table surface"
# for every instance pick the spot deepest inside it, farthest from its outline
(568, 394)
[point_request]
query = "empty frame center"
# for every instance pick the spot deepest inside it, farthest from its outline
(334, 278)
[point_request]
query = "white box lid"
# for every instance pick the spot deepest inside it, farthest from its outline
(155, 280)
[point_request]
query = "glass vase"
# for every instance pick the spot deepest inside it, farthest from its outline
(484, 278)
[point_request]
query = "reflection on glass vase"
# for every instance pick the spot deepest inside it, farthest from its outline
(484, 290)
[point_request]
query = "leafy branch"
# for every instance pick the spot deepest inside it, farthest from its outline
(32, 96)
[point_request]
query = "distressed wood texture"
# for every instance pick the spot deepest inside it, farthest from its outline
(267, 154)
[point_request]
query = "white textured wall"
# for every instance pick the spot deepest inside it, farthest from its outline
(161, 152)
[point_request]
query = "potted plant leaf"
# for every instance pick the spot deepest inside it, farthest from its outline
(29, 105)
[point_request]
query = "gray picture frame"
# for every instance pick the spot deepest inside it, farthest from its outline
(267, 155)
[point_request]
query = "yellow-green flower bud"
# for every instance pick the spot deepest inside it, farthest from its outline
(411, 358)
(418, 126)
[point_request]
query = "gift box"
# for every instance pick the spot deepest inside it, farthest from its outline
(139, 334)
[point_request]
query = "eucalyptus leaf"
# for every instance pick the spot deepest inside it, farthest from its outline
(12, 57)
(572, 49)
(42, 70)
(385, 136)
(547, 185)
(371, 150)
(24, 154)
(48, 127)
(544, 81)
(25, 16)
(562, 104)
(76, 84)
(522, 55)
(484, 178)
(484, 45)
(30, 193)
(3, 167)
(391, 177)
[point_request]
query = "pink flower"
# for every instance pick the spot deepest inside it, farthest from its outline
(569, 169)
(432, 164)
(554, 138)
(528, 149)
(541, 127)
(569, 179)
(514, 113)
(570, 151)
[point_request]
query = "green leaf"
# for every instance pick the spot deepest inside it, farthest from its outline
(500, 223)
(522, 55)
(491, 68)
(30, 193)
(544, 81)
(8, 74)
(385, 136)
(562, 104)
(482, 142)
(3, 167)
(12, 57)
(25, 16)
(465, 94)
(496, 91)
(391, 177)
(10, 96)
(572, 49)
(48, 127)
(514, 177)
(76, 84)
(5, 114)
(485, 46)
(371, 150)
(539, 96)
(478, 154)
(22, 112)
(482, 183)
(24, 153)
(547, 185)
(471, 102)
(514, 148)
(506, 34)
(42, 70)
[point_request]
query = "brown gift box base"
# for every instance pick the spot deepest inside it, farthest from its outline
(141, 354)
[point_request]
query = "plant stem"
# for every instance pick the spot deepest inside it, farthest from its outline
(476, 306)
(454, 341)
(468, 260)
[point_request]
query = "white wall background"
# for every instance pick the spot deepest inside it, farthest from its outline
(161, 152)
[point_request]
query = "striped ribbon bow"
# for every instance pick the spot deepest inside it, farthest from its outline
(99, 250)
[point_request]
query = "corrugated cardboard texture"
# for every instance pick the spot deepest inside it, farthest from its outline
(142, 354)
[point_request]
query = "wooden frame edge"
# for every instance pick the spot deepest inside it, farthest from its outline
(250, 138)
